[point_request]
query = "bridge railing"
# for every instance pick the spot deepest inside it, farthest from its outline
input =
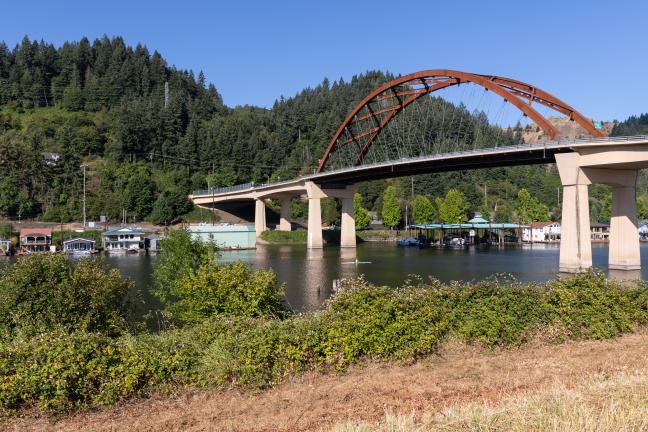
(220, 190)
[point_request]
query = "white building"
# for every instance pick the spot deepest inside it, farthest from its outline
(541, 232)
(121, 240)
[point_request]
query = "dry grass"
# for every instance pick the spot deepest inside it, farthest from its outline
(600, 403)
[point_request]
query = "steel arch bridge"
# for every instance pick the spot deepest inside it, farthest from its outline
(363, 126)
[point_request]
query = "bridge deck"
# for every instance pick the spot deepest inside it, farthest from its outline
(523, 154)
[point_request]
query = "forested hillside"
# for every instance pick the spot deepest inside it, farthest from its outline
(103, 105)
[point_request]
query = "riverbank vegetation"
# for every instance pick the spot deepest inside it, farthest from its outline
(66, 344)
(285, 237)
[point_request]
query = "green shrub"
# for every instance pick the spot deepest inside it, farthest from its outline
(195, 287)
(58, 371)
(593, 307)
(44, 291)
(232, 290)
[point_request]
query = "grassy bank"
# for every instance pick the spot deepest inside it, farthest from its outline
(285, 237)
(601, 403)
(60, 369)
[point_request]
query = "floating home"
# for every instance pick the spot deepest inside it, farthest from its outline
(226, 236)
(35, 240)
(79, 246)
(123, 240)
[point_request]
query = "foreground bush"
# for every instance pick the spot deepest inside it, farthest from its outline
(45, 291)
(194, 286)
(59, 371)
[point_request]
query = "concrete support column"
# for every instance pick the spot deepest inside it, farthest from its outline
(348, 234)
(314, 240)
(259, 216)
(624, 237)
(284, 216)
(575, 236)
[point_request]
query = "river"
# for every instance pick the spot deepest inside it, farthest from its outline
(308, 275)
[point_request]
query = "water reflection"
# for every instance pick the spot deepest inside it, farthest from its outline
(309, 274)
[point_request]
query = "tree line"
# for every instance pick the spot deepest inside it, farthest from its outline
(105, 105)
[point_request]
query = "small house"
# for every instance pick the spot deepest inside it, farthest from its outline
(35, 240)
(541, 232)
(122, 240)
(79, 246)
(600, 231)
(226, 236)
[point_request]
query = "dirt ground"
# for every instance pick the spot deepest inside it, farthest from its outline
(315, 402)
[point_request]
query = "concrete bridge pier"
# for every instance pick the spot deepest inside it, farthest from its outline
(624, 239)
(575, 243)
(284, 215)
(575, 238)
(315, 193)
(259, 216)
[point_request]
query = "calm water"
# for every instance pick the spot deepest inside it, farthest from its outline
(309, 274)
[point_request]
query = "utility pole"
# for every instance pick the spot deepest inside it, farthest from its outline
(412, 187)
(166, 94)
(485, 195)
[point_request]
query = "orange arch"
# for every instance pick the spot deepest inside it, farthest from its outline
(402, 89)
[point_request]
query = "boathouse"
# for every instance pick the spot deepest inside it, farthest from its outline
(35, 240)
(226, 236)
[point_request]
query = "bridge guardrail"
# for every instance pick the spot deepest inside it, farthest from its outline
(539, 145)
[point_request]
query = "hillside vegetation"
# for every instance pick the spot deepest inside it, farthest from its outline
(103, 104)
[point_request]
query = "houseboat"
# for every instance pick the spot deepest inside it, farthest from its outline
(79, 246)
(6, 247)
(123, 240)
(35, 240)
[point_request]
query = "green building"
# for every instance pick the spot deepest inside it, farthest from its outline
(226, 236)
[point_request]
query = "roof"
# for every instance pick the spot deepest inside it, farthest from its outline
(154, 237)
(470, 226)
(123, 230)
(32, 231)
(78, 239)
(599, 225)
(541, 224)
(208, 228)
(477, 219)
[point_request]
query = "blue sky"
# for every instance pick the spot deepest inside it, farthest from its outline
(591, 54)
